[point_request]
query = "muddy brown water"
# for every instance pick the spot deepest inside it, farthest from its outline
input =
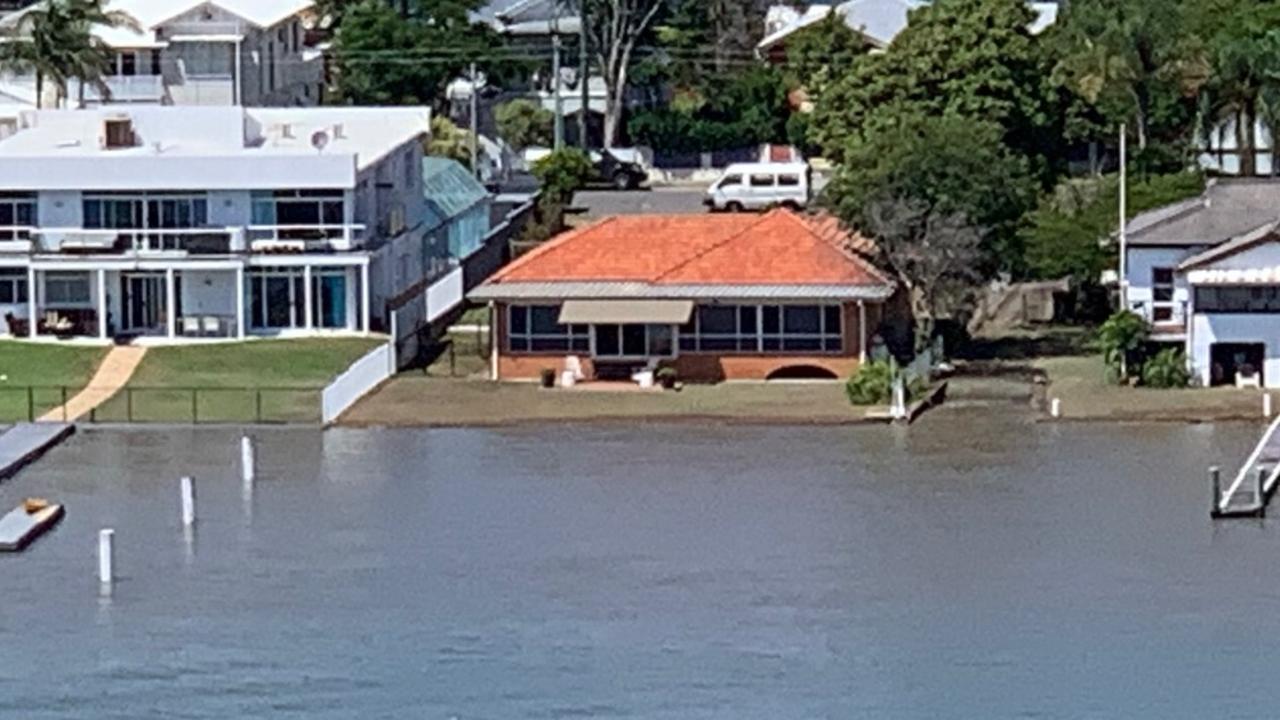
(974, 566)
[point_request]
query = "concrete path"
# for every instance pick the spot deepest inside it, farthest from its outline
(112, 375)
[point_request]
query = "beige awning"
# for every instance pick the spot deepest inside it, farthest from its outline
(619, 312)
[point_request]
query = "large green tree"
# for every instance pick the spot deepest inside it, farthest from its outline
(948, 165)
(968, 58)
(407, 54)
(1135, 62)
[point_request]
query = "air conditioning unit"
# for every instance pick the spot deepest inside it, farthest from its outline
(117, 133)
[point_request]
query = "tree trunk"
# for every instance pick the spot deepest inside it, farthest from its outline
(39, 90)
(1245, 122)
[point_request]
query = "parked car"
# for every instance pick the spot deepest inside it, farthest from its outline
(757, 186)
(618, 168)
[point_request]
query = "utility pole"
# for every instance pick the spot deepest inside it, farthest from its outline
(555, 80)
(1124, 219)
(475, 123)
(584, 74)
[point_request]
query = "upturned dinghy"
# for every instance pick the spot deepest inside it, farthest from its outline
(33, 518)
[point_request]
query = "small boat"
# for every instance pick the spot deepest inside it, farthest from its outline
(33, 518)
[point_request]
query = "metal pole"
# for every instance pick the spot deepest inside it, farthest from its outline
(188, 501)
(247, 469)
(555, 79)
(64, 403)
(1215, 482)
(31, 404)
(475, 123)
(1124, 217)
(584, 73)
(258, 406)
(195, 406)
(106, 556)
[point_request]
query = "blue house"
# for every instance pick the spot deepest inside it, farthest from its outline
(458, 206)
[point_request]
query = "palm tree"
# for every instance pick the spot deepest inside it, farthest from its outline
(55, 40)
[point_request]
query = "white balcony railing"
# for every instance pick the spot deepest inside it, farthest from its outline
(127, 88)
(312, 238)
(23, 239)
(1164, 317)
(87, 241)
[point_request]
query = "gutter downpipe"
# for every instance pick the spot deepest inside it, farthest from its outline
(235, 87)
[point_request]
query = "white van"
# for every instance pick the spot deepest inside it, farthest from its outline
(756, 186)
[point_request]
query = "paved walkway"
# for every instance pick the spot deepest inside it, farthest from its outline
(112, 374)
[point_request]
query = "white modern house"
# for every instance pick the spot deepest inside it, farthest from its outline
(196, 52)
(1205, 273)
(211, 222)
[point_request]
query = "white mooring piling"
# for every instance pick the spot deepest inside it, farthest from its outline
(1266, 405)
(247, 469)
(1055, 407)
(188, 501)
(1215, 482)
(106, 556)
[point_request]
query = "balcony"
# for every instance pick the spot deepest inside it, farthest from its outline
(129, 242)
(15, 239)
(305, 238)
(126, 89)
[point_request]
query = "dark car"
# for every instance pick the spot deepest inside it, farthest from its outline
(620, 169)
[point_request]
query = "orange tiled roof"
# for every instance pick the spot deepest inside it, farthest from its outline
(777, 248)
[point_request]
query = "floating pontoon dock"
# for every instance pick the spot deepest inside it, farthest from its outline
(1255, 483)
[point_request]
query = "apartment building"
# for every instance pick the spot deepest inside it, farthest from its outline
(211, 222)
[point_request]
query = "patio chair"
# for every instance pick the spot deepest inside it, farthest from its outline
(212, 326)
(190, 325)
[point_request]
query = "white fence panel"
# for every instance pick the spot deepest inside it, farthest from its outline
(444, 295)
(361, 378)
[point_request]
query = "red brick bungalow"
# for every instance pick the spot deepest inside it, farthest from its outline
(736, 297)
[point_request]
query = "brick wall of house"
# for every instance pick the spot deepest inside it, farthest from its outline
(703, 367)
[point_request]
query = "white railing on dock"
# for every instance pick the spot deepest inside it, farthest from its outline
(359, 380)
(1242, 485)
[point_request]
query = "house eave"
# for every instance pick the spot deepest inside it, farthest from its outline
(645, 291)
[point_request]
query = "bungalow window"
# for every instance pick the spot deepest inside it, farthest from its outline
(764, 328)
(536, 328)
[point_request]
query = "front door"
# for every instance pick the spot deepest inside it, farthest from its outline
(1232, 360)
(144, 299)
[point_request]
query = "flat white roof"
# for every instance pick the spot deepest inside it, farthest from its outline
(204, 147)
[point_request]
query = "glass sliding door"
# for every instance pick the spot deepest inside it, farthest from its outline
(277, 299)
(329, 300)
(634, 341)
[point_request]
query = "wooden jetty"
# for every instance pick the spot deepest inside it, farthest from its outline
(27, 522)
(1252, 487)
(25, 442)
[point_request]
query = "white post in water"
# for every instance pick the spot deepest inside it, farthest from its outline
(106, 556)
(1215, 481)
(246, 459)
(188, 501)
(1266, 405)
(1055, 407)
(899, 409)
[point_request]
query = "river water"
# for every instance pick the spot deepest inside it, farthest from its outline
(966, 568)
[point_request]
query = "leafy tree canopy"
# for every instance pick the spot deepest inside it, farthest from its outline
(525, 123)
(956, 57)
(949, 165)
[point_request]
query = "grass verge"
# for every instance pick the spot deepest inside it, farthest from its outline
(33, 375)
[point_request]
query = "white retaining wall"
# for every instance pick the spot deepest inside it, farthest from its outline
(359, 380)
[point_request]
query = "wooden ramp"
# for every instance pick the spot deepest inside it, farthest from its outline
(1255, 483)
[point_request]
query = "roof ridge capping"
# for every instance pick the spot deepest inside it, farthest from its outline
(713, 246)
(840, 246)
(1244, 241)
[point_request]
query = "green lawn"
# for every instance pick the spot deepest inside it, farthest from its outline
(258, 381)
(46, 368)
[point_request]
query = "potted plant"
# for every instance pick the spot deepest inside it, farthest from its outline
(548, 376)
(666, 377)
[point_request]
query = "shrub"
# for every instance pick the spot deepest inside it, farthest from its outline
(1166, 369)
(1121, 338)
(561, 174)
(872, 384)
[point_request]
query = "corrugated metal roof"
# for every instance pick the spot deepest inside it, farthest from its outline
(640, 290)
(450, 189)
(1226, 209)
